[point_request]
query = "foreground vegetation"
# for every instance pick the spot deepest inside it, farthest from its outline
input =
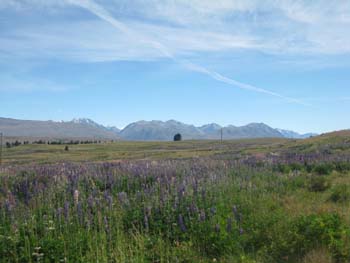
(289, 203)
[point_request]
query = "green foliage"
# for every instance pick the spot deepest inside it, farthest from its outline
(323, 169)
(306, 233)
(184, 211)
(340, 193)
(318, 183)
(177, 137)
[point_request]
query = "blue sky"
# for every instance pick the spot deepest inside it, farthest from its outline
(284, 63)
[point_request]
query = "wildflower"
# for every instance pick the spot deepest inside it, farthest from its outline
(66, 211)
(90, 202)
(148, 211)
(59, 212)
(229, 225)
(202, 216)
(217, 228)
(109, 199)
(8, 206)
(76, 197)
(182, 224)
(80, 212)
(123, 198)
(146, 222)
(106, 224)
(234, 210)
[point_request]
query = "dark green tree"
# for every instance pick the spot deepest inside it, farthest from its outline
(177, 137)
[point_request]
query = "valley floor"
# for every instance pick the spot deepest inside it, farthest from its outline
(262, 200)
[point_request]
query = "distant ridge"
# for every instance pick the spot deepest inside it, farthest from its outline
(140, 131)
(77, 128)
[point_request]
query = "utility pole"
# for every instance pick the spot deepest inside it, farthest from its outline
(1, 148)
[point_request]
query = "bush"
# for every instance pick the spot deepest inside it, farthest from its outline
(323, 169)
(318, 184)
(282, 168)
(307, 233)
(340, 193)
(177, 137)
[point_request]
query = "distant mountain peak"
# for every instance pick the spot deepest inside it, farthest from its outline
(77, 128)
(295, 135)
(83, 121)
(142, 130)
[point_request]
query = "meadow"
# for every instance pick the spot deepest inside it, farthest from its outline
(261, 200)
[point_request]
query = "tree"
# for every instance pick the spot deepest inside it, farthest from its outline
(177, 137)
(66, 148)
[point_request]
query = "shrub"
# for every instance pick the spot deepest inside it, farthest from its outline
(318, 184)
(307, 233)
(340, 193)
(323, 169)
(177, 137)
(282, 168)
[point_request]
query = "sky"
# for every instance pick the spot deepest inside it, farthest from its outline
(285, 63)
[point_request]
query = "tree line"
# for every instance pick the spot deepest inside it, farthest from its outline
(50, 142)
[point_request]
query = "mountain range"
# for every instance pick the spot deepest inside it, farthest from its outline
(140, 131)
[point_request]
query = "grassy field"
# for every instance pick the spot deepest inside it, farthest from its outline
(261, 200)
(111, 151)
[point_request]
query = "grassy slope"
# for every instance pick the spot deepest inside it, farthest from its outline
(132, 150)
(273, 204)
(337, 143)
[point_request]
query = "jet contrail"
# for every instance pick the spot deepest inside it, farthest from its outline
(102, 13)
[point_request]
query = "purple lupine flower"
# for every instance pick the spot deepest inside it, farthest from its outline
(181, 191)
(106, 224)
(59, 213)
(146, 222)
(213, 211)
(238, 216)
(80, 213)
(109, 199)
(202, 215)
(204, 194)
(229, 225)
(234, 210)
(241, 231)
(8, 206)
(123, 198)
(193, 209)
(148, 210)
(66, 211)
(90, 202)
(181, 223)
(217, 228)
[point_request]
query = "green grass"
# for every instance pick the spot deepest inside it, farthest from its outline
(40, 153)
(188, 201)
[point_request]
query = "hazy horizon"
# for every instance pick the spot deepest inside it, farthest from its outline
(284, 64)
(150, 120)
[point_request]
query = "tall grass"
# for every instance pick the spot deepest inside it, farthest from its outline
(199, 210)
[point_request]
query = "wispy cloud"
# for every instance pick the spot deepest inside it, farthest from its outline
(185, 26)
(104, 14)
(180, 29)
(19, 83)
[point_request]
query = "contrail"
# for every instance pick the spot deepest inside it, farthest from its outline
(102, 13)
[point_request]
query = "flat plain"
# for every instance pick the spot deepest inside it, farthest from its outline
(254, 200)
